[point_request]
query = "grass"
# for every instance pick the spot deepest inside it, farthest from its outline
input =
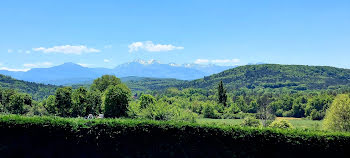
(296, 122)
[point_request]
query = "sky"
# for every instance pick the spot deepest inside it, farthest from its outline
(232, 32)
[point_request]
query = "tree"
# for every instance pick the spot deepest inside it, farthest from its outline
(265, 112)
(50, 105)
(222, 96)
(63, 101)
(116, 100)
(338, 115)
(146, 100)
(17, 104)
(79, 102)
(104, 82)
(94, 102)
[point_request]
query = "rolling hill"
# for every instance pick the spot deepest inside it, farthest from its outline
(38, 91)
(298, 77)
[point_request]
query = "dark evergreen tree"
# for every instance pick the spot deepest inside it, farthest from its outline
(222, 96)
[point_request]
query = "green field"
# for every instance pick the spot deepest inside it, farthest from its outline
(297, 123)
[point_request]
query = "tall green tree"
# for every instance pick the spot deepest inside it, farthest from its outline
(63, 101)
(116, 100)
(104, 82)
(222, 96)
(79, 102)
(338, 115)
(17, 104)
(50, 105)
(94, 102)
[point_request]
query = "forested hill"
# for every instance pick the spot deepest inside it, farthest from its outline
(297, 77)
(38, 91)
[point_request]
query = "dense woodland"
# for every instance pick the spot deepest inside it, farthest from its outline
(254, 91)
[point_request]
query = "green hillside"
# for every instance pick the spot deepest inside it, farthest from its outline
(144, 83)
(296, 77)
(38, 91)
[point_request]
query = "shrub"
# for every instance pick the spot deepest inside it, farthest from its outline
(161, 110)
(208, 111)
(251, 122)
(338, 115)
(116, 138)
(281, 124)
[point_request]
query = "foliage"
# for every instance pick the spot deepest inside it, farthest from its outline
(338, 115)
(63, 102)
(160, 110)
(222, 97)
(116, 100)
(36, 90)
(107, 137)
(274, 76)
(282, 123)
(146, 100)
(251, 122)
(104, 82)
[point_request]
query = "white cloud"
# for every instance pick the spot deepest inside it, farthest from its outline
(224, 61)
(38, 65)
(9, 50)
(67, 49)
(201, 61)
(27, 52)
(84, 65)
(151, 47)
(107, 46)
(106, 60)
(9, 69)
(217, 61)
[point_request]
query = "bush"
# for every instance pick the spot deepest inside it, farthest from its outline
(251, 122)
(28, 137)
(161, 111)
(281, 124)
(208, 111)
(338, 115)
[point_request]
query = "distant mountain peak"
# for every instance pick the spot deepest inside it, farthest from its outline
(147, 62)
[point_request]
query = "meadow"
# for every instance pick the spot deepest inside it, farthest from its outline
(298, 123)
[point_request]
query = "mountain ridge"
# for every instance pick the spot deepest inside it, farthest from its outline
(71, 73)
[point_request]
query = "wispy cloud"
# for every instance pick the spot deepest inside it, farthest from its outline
(38, 65)
(10, 69)
(67, 49)
(107, 46)
(201, 61)
(106, 60)
(9, 50)
(84, 65)
(217, 61)
(151, 47)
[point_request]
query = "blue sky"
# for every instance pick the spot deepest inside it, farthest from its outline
(108, 33)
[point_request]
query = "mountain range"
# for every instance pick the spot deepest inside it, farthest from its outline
(71, 73)
(270, 77)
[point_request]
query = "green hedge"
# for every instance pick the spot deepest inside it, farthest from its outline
(67, 137)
